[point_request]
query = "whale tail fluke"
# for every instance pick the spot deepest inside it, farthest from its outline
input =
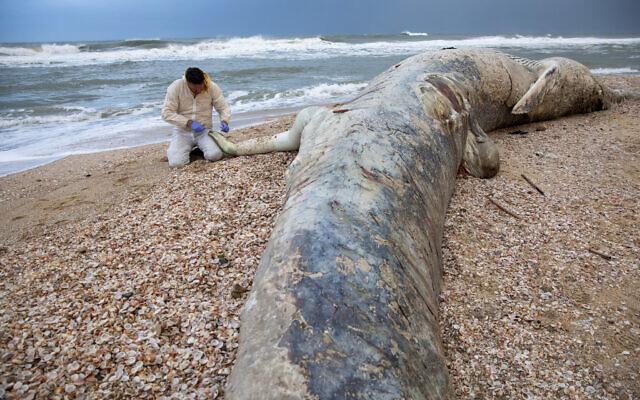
(535, 95)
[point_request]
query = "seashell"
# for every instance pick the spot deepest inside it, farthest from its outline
(137, 367)
(77, 379)
(73, 367)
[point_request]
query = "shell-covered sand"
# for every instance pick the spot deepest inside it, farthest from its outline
(123, 278)
(546, 304)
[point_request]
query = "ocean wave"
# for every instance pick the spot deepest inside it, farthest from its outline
(127, 44)
(138, 40)
(51, 49)
(143, 43)
(41, 51)
(276, 48)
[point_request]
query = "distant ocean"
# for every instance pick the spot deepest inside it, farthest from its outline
(58, 99)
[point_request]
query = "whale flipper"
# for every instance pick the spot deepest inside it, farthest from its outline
(481, 155)
(534, 96)
(225, 144)
(284, 141)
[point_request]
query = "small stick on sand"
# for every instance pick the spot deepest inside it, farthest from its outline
(501, 207)
(532, 184)
(603, 255)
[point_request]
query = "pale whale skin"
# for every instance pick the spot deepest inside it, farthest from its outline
(344, 302)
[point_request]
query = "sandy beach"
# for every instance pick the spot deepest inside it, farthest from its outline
(124, 278)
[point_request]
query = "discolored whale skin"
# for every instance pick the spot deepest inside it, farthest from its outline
(344, 303)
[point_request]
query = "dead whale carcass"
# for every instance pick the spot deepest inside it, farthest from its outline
(344, 303)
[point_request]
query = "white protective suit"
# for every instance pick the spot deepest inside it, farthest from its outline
(180, 106)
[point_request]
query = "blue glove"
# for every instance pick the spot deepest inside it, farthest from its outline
(224, 127)
(196, 127)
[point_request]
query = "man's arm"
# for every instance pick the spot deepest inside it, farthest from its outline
(170, 109)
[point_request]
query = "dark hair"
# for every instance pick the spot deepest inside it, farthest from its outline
(194, 75)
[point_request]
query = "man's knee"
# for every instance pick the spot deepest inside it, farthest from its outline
(178, 152)
(213, 154)
(210, 148)
(177, 159)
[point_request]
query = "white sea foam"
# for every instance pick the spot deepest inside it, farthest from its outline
(86, 136)
(288, 48)
(69, 114)
(59, 49)
(6, 52)
(236, 94)
(252, 47)
(615, 71)
(319, 94)
(14, 119)
(408, 33)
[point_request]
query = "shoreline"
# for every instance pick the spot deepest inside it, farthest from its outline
(131, 280)
(145, 137)
(162, 133)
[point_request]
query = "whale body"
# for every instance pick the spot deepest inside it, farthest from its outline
(344, 302)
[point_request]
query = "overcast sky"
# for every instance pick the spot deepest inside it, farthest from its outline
(81, 20)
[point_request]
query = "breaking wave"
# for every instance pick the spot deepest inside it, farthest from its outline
(257, 47)
(65, 115)
(244, 101)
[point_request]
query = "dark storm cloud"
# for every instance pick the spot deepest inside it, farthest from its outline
(66, 20)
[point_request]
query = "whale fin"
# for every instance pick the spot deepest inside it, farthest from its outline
(537, 91)
(283, 141)
(481, 155)
(225, 144)
(619, 95)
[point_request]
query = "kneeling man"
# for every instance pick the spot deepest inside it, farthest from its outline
(188, 106)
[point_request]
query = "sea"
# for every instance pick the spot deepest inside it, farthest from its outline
(58, 99)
